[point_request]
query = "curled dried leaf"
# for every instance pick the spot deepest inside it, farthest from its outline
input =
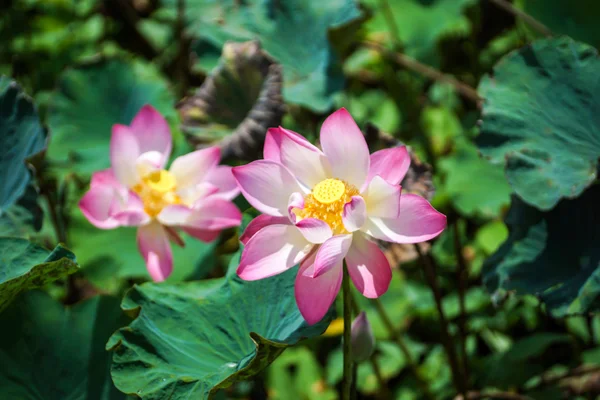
(236, 104)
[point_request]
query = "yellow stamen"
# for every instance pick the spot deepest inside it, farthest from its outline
(326, 202)
(157, 190)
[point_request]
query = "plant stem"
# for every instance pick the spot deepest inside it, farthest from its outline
(346, 294)
(395, 335)
(427, 71)
(388, 15)
(385, 392)
(534, 23)
(462, 272)
(430, 276)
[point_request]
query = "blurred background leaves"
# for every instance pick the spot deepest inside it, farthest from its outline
(218, 70)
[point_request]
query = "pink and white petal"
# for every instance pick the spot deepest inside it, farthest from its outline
(272, 147)
(330, 254)
(153, 133)
(354, 214)
(222, 177)
(345, 147)
(260, 222)
(106, 177)
(382, 198)
(418, 222)
(267, 186)
(148, 162)
(124, 152)
(201, 234)
(296, 201)
(214, 213)
(174, 215)
(153, 243)
(304, 160)
(368, 267)
(194, 194)
(314, 230)
(390, 164)
(191, 169)
(314, 296)
(96, 204)
(131, 217)
(272, 250)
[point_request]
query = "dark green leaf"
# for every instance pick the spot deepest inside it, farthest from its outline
(24, 265)
(191, 339)
(51, 352)
(553, 255)
(541, 119)
(21, 135)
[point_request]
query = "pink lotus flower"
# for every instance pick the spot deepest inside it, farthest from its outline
(194, 195)
(321, 207)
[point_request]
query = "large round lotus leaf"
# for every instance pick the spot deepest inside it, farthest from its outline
(24, 265)
(237, 103)
(109, 257)
(420, 25)
(475, 186)
(294, 32)
(90, 100)
(554, 254)
(21, 135)
(193, 338)
(541, 118)
(51, 352)
(579, 21)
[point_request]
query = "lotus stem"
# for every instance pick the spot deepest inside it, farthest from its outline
(347, 298)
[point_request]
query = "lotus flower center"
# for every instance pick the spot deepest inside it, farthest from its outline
(157, 190)
(326, 202)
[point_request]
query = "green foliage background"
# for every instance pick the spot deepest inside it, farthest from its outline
(507, 119)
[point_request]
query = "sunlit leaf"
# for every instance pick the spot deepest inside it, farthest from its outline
(419, 24)
(191, 339)
(541, 119)
(57, 353)
(476, 187)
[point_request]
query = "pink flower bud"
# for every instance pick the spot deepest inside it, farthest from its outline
(361, 338)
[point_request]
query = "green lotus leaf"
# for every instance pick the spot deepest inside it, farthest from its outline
(191, 339)
(55, 352)
(21, 135)
(553, 255)
(24, 265)
(89, 100)
(540, 119)
(237, 103)
(475, 186)
(294, 32)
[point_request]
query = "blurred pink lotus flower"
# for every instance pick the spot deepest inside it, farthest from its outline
(321, 207)
(194, 195)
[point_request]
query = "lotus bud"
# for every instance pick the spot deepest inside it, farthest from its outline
(361, 338)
